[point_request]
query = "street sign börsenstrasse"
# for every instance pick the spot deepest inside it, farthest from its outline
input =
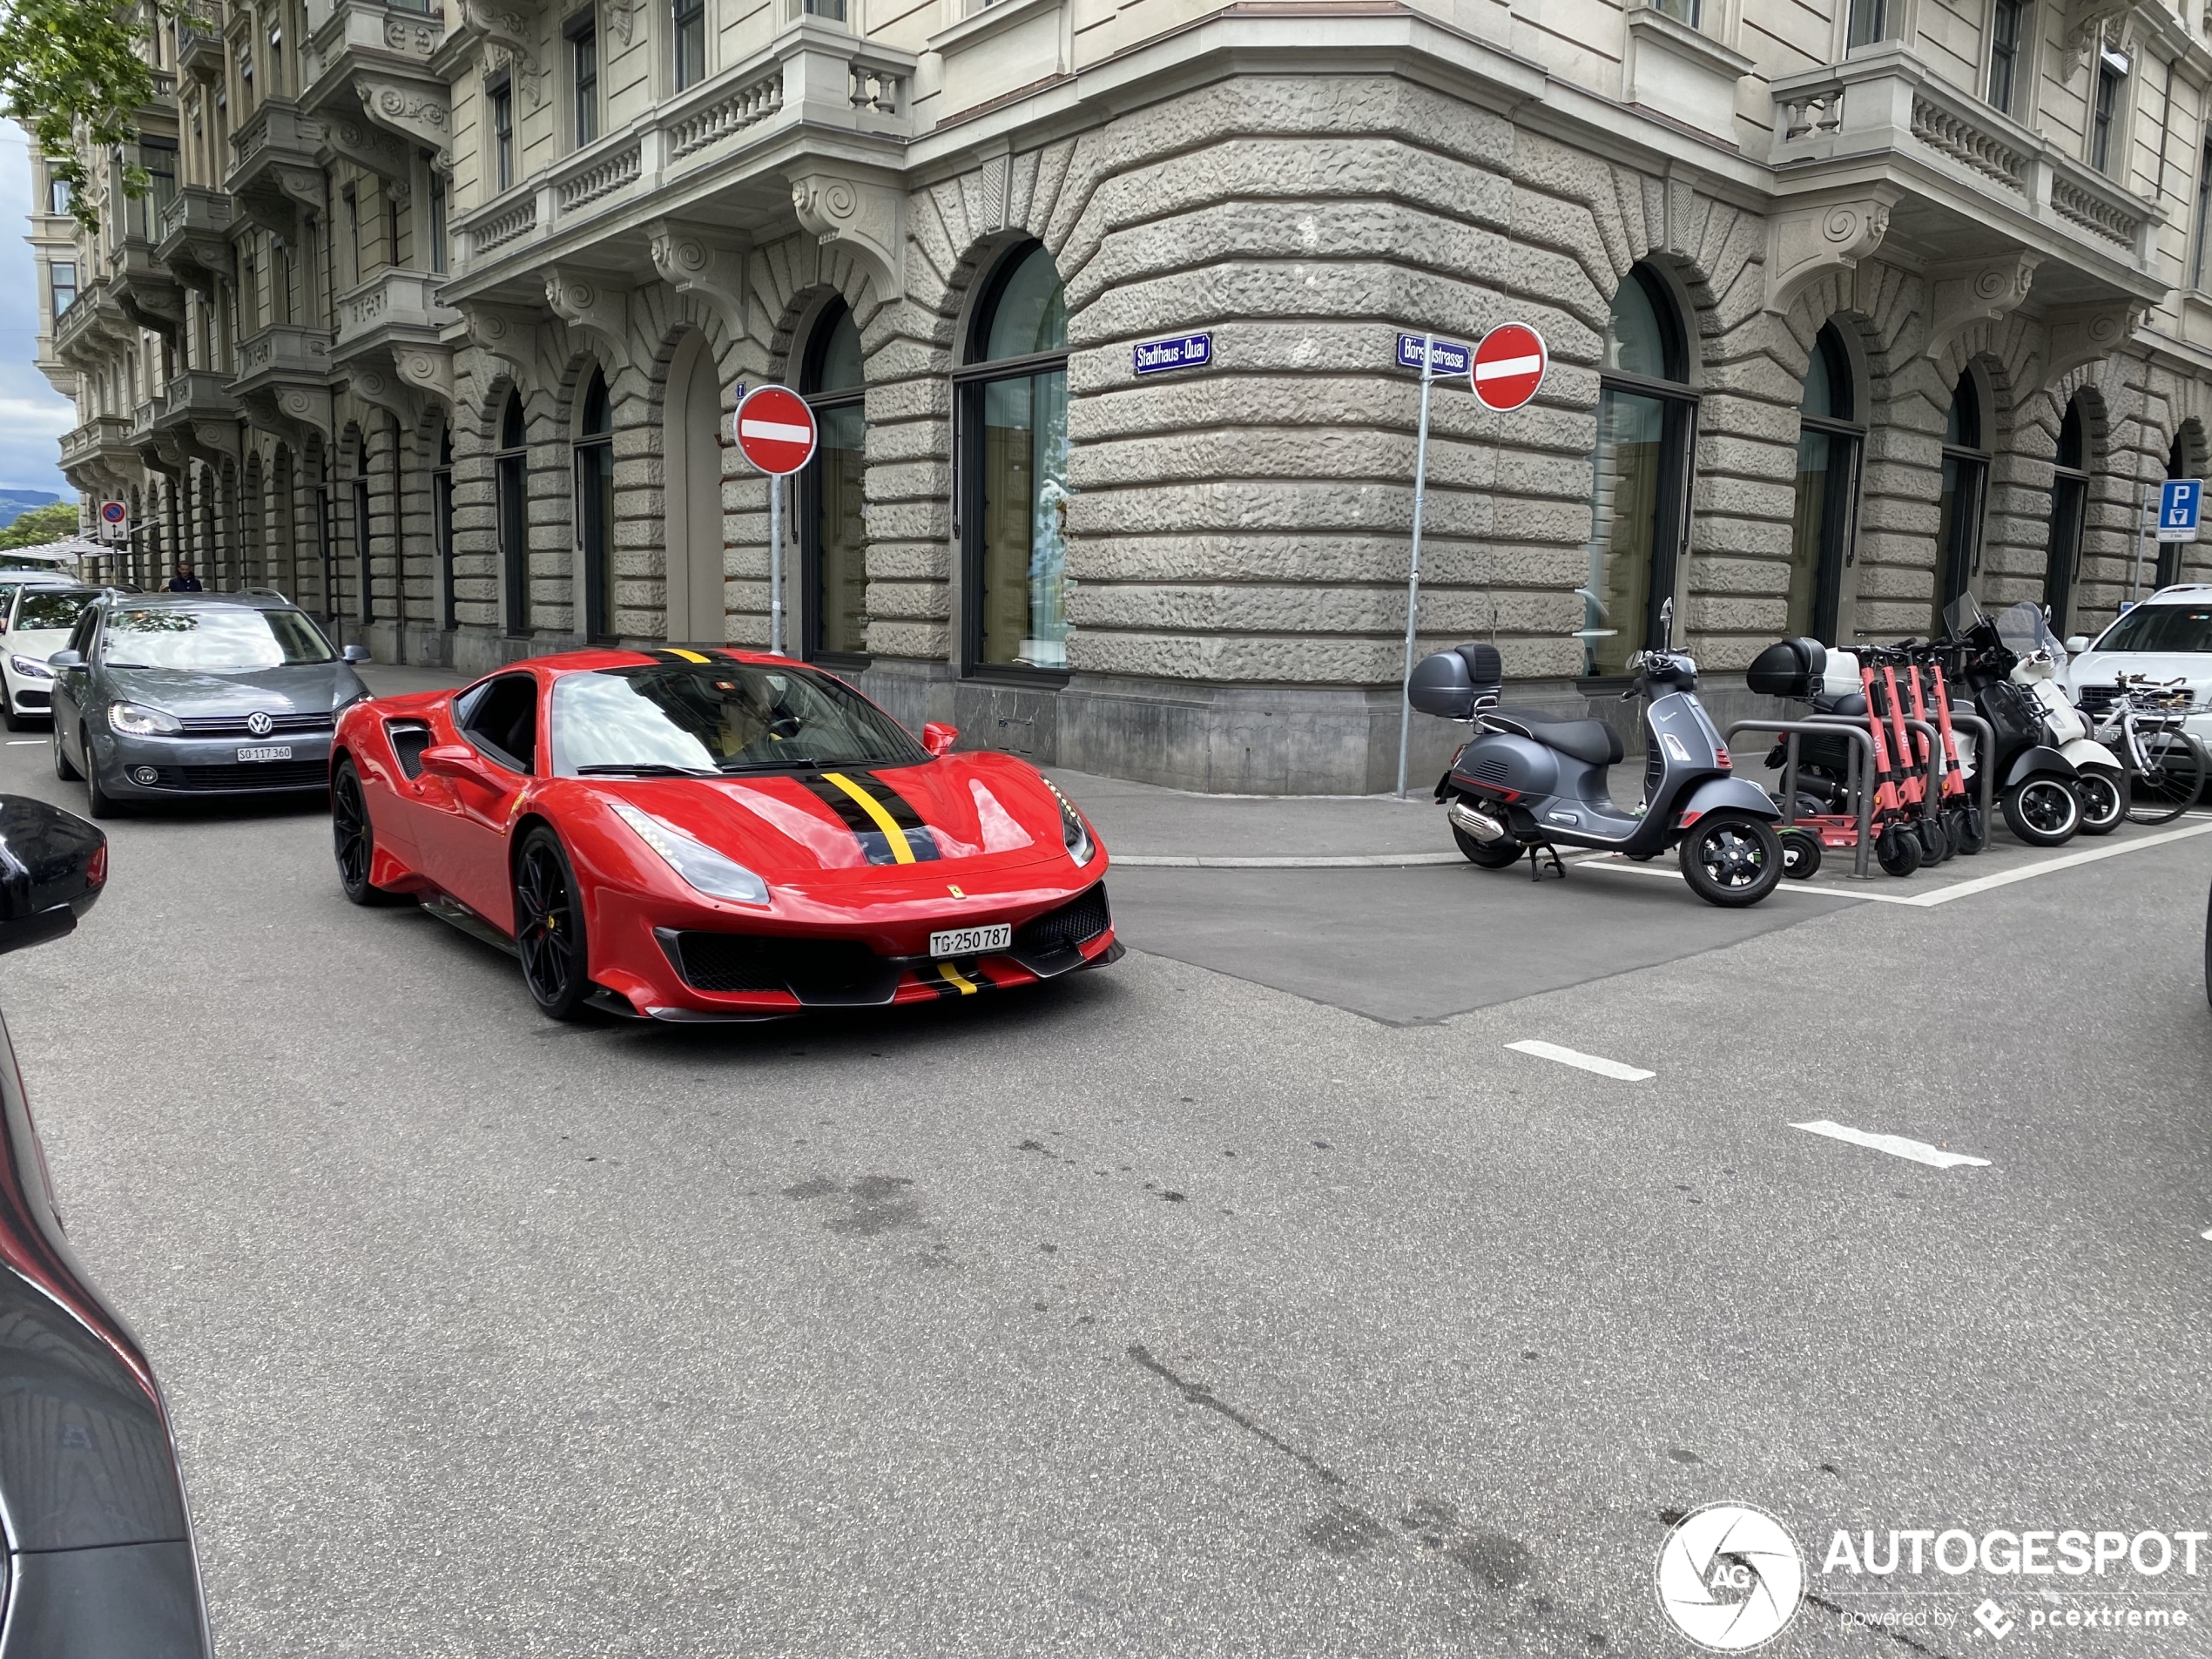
(1446, 357)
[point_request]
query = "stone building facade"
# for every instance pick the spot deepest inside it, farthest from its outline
(437, 321)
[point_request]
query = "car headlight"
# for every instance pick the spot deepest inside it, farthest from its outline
(1073, 829)
(31, 668)
(136, 720)
(699, 864)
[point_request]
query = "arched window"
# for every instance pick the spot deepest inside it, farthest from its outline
(1958, 507)
(1013, 505)
(832, 532)
(364, 597)
(594, 459)
(1646, 425)
(511, 478)
(2069, 507)
(442, 524)
(692, 451)
(1830, 437)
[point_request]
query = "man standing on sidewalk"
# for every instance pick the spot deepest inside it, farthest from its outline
(185, 580)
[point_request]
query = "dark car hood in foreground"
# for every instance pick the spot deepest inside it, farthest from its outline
(304, 688)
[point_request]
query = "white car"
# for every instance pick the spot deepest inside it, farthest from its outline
(39, 617)
(2166, 637)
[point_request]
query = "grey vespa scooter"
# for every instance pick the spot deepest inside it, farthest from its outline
(1530, 782)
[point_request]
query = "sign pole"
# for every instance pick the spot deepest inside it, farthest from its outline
(1413, 578)
(776, 566)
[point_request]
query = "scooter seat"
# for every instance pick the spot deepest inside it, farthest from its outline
(1590, 741)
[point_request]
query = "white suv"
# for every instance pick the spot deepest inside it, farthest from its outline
(2166, 637)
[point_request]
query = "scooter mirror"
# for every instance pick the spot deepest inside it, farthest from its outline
(1667, 625)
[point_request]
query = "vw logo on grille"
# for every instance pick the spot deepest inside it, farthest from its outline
(260, 723)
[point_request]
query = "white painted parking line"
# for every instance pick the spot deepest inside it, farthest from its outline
(1345, 861)
(17, 742)
(1895, 1145)
(2028, 872)
(1603, 1067)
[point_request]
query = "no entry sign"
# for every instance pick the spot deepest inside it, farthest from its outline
(1509, 366)
(775, 429)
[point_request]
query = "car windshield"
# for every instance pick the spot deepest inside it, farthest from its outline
(229, 637)
(41, 611)
(718, 716)
(2167, 628)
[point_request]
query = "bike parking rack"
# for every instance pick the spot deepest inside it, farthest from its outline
(1791, 732)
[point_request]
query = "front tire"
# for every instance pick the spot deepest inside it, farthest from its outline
(2104, 800)
(64, 768)
(1491, 855)
(8, 717)
(1800, 855)
(549, 927)
(98, 802)
(2043, 811)
(1731, 858)
(1968, 834)
(1898, 851)
(353, 840)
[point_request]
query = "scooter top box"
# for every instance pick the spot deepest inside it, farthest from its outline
(1788, 668)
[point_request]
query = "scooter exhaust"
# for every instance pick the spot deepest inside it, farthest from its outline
(1485, 829)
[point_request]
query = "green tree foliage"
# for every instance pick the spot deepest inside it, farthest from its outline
(56, 522)
(74, 73)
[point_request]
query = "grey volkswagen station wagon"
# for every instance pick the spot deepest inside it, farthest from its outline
(159, 697)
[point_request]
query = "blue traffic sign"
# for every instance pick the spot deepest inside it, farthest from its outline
(1450, 358)
(2180, 501)
(1185, 351)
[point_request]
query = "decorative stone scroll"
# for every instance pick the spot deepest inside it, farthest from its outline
(508, 333)
(512, 38)
(2080, 335)
(1805, 244)
(704, 262)
(1974, 291)
(866, 217)
(591, 306)
(421, 114)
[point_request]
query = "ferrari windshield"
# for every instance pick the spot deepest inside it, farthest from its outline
(2168, 627)
(213, 638)
(717, 717)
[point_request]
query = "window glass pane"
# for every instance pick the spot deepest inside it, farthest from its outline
(597, 415)
(2004, 53)
(1817, 530)
(510, 424)
(2070, 501)
(841, 531)
(1820, 390)
(2071, 447)
(587, 87)
(1867, 23)
(1631, 437)
(1637, 342)
(841, 364)
(1964, 425)
(1024, 528)
(596, 478)
(1031, 313)
(1958, 531)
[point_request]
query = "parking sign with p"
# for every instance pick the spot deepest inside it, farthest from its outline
(2180, 502)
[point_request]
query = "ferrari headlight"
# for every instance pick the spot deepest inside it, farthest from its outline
(1072, 831)
(136, 720)
(31, 668)
(699, 864)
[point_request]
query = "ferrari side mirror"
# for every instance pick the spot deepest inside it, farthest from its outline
(938, 738)
(457, 760)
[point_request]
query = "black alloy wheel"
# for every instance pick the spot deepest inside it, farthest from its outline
(2043, 811)
(64, 768)
(1501, 854)
(549, 927)
(353, 840)
(1731, 858)
(98, 802)
(2104, 800)
(1801, 854)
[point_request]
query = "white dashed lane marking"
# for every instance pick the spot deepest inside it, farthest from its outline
(1603, 1067)
(1896, 1145)
(17, 742)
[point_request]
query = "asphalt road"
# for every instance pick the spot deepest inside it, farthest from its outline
(1182, 1309)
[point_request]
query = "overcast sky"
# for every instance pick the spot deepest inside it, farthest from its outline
(33, 415)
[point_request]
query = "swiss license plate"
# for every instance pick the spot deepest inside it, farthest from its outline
(971, 941)
(282, 752)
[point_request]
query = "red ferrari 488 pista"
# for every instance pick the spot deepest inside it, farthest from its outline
(713, 835)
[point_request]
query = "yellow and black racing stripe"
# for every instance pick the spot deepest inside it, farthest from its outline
(950, 979)
(881, 820)
(680, 654)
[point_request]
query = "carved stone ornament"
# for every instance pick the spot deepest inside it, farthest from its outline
(508, 333)
(428, 368)
(621, 14)
(367, 147)
(1976, 290)
(513, 39)
(421, 114)
(865, 217)
(2080, 335)
(591, 306)
(706, 263)
(2085, 24)
(217, 438)
(1805, 244)
(412, 36)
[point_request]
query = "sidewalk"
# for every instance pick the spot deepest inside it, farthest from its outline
(1144, 824)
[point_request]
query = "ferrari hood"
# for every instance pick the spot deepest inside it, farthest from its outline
(957, 809)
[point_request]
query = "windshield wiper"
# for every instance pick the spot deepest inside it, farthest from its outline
(644, 769)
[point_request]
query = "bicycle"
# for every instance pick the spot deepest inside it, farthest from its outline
(2166, 766)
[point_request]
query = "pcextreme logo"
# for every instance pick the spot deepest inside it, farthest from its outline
(1730, 1578)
